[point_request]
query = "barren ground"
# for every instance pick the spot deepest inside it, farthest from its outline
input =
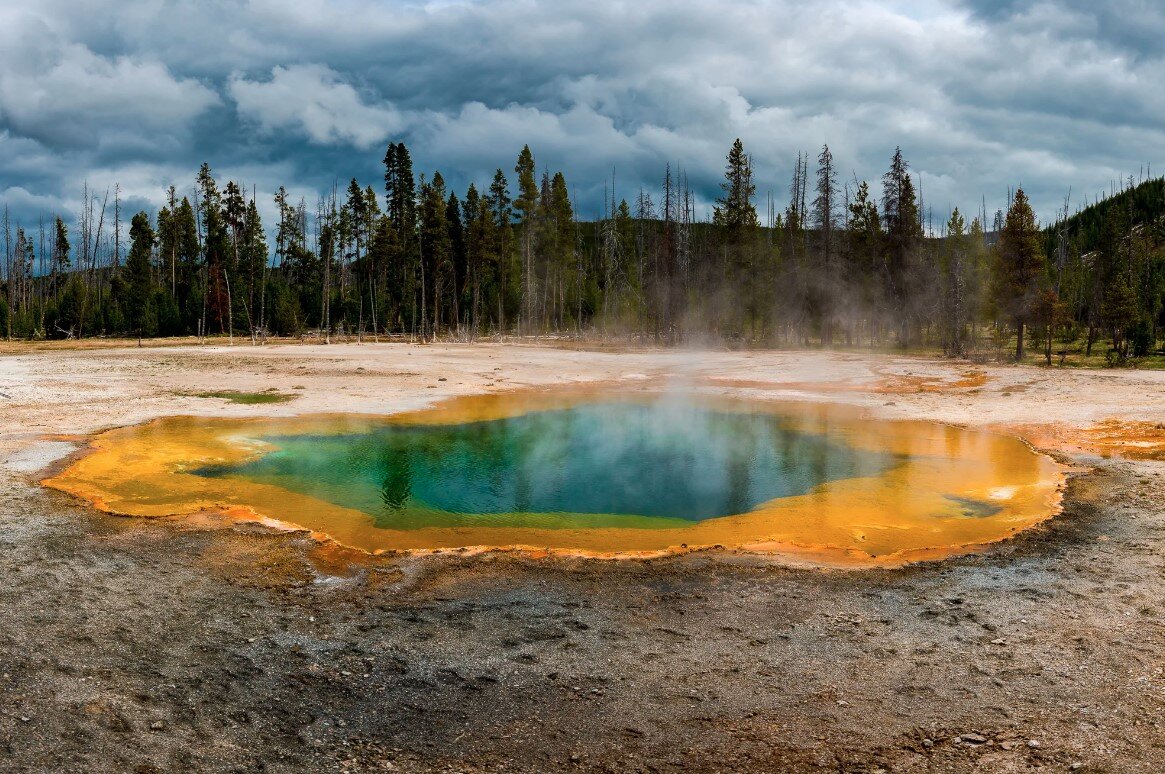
(201, 645)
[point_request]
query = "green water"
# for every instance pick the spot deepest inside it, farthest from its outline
(661, 464)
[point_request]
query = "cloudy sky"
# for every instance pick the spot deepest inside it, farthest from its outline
(981, 95)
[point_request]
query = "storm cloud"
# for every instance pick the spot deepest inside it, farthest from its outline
(982, 96)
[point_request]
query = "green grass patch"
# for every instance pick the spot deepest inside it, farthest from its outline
(244, 398)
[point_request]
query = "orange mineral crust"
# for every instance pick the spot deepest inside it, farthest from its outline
(953, 490)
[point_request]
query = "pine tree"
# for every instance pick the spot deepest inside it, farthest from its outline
(436, 252)
(735, 210)
(526, 205)
(477, 223)
(458, 260)
(137, 274)
(353, 243)
(825, 220)
(328, 235)
(189, 275)
(60, 261)
(1048, 312)
(168, 241)
(254, 257)
(953, 301)
(500, 248)
(793, 293)
(903, 235)
(216, 247)
(234, 214)
(1021, 262)
(381, 249)
(483, 261)
(867, 269)
(978, 275)
(736, 216)
(560, 216)
(1118, 298)
(404, 263)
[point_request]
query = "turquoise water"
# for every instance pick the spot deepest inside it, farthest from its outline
(661, 464)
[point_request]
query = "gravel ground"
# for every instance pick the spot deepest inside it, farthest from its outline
(203, 645)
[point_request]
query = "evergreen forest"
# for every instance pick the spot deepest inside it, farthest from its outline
(834, 266)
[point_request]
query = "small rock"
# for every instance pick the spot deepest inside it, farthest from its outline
(974, 738)
(928, 743)
(24, 718)
(1076, 766)
(842, 703)
(998, 641)
(157, 725)
(1033, 743)
(442, 379)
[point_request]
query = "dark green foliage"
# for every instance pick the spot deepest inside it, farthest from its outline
(953, 266)
(1020, 266)
(830, 267)
(1140, 337)
(436, 252)
(217, 252)
(169, 321)
(735, 210)
(1109, 262)
(905, 281)
(139, 312)
(60, 260)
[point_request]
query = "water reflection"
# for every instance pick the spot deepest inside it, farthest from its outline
(396, 488)
(654, 473)
(664, 460)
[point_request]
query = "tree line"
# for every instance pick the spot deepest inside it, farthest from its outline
(835, 266)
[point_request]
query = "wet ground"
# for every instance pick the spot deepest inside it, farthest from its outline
(135, 645)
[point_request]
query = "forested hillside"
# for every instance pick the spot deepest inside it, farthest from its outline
(409, 257)
(1106, 265)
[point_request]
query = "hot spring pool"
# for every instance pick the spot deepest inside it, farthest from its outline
(597, 474)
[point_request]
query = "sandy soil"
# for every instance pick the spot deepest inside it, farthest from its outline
(204, 645)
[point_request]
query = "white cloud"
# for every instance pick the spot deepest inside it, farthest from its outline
(315, 100)
(981, 94)
(61, 92)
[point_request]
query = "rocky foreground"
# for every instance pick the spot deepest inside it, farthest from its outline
(198, 644)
